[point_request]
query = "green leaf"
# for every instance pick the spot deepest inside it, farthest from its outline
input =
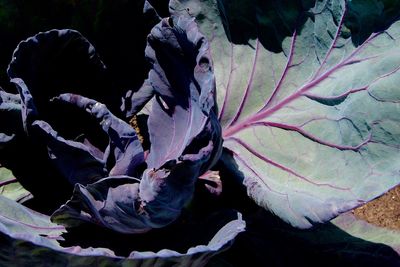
(269, 240)
(313, 124)
(369, 232)
(10, 188)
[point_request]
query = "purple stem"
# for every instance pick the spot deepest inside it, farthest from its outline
(339, 29)
(345, 94)
(249, 85)
(34, 226)
(313, 137)
(10, 181)
(285, 71)
(228, 87)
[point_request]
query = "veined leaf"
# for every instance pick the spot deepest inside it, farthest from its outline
(313, 126)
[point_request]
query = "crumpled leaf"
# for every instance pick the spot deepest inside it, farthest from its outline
(74, 160)
(10, 113)
(366, 231)
(29, 238)
(61, 61)
(184, 135)
(58, 61)
(132, 104)
(110, 27)
(182, 77)
(11, 129)
(17, 150)
(82, 160)
(34, 66)
(189, 142)
(124, 144)
(313, 128)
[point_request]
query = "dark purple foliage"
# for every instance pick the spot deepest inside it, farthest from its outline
(111, 161)
(10, 111)
(188, 144)
(137, 193)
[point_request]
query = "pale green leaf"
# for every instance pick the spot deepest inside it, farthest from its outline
(369, 232)
(10, 188)
(314, 125)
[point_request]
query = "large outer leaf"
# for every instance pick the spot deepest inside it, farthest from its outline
(16, 151)
(345, 241)
(362, 229)
(29, 238)
(314, 128)
(74, 160)
(124, 146)
(41, 65)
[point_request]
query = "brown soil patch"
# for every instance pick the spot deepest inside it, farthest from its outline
(383, 211)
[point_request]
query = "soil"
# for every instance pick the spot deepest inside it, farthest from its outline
(383, 211)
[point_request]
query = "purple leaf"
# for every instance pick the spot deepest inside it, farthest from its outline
(58, 61)
(76, 162)
(18, 150)
(134, 102)
(182, 77)
(150, 13)
(73, 159)
(184, 134)
(10, 114)
(110, 202)
(28, 109)
(124, 143)
(35, 240)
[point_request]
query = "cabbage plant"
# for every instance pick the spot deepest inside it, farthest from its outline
(290, 101)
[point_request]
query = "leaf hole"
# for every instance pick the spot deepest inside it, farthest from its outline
(204, 63)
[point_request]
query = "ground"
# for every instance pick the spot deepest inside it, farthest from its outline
(383, 211)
